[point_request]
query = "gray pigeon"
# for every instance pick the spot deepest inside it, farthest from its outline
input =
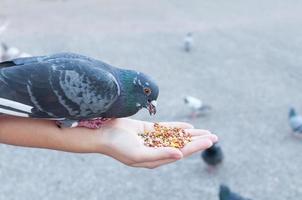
(74, 89)
(295, 121)
(226, 194)
(213, 156)
(188, 42)
(196, 105)
(3, 24)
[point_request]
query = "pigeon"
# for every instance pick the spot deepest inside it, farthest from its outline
(196, 106)
(213, 156)
(226, 194)
(3, 25)
(295, 121)
(73, 89)
(188, 42)
(9, 53)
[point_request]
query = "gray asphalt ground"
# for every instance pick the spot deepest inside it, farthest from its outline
(246, 63)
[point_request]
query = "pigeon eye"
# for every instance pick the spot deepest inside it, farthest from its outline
(147, 91)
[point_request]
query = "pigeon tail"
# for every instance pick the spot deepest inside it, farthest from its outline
(205, 107)
(298, 129)
(7, 64)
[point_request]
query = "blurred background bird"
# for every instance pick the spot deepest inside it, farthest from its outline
(295, 121)
(196, 105)
(9, 52)
(226, 194)
(188, 42)
(213, 156)
(3, 24)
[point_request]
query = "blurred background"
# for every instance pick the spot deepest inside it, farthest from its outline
(244, 60)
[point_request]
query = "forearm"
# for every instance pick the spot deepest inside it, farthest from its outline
(45, 134)
(117, 138)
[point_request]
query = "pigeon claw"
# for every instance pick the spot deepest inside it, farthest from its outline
(93, 123)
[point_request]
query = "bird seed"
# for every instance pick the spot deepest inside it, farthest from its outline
(163, 136)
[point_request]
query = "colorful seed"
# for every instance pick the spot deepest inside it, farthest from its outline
(166, 137)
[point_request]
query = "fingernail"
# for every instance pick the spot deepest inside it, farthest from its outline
(215, 137)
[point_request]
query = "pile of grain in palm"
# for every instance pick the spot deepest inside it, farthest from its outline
(163, 136)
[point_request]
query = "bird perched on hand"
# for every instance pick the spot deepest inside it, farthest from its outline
(295, 121)
(226, 194)
(213, 156)
(188, 42)
(9, 53)
(196, 106)
(75, 90)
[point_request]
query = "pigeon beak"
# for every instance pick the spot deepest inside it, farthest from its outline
(152, 107)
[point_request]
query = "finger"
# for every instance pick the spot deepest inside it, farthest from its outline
(150, 154)
(197, 132)
(196, 145)
(158, 163)
(184, 125)
(152, 165)
(212, 137)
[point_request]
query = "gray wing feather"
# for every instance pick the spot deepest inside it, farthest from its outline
(93, 92)
(72, 88)
(52, 58)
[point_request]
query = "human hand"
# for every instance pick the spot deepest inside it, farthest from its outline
(119, 139)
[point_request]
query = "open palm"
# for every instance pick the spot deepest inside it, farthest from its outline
(121, 141)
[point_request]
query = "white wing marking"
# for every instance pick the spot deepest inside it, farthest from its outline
(14, 113)
(15, 105)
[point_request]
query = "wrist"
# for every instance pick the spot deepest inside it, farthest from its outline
(102, 139)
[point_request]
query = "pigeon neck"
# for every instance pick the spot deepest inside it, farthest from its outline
(224, 192)
(126, 78)
(125, 105)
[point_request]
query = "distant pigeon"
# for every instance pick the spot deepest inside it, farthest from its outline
(213, 156)
(196, 105)
(9, 53)
(295, 121)
(226, 194)
(74, 89)
(188, 42)
(3, 24)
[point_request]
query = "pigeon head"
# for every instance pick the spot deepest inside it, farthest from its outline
(189, 34)
(146, 92)
(224, 192)
(138, 91)
(292, 112)
(186, 100)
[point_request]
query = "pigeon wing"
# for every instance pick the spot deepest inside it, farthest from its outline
(69, 88)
